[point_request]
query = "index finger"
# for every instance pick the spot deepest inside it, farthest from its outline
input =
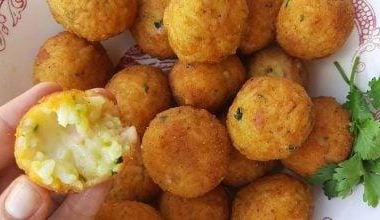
(12, 112)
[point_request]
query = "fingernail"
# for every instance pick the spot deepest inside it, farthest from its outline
(23, 201)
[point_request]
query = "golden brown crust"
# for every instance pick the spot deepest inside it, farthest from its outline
(94, 20)
(207, 86)
(133, 182)
(311, 29)
(205, 31)
(261, 25)
(242, 170)
(270, 118)
(127, 210)
(329, 142)
(274, 197)
(72, 62)
(273, 61)
(141, 92)
(186, 151)
(212, 205)
(149, 30)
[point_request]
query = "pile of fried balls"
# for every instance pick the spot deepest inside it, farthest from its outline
(215, 132)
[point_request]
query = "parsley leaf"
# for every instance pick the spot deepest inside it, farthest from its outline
(348, 174)
(371, 189)
(367, 143)
(239, 114)
(374, 93)
(358, 107)
(323, 175)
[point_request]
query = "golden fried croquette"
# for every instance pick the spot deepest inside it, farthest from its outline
(273, 61)
(127, 210)
(207, 86)
(329, 142)
(205, 31)
(242, 170)
(311, 29)
(186, 151)
(212, 205)
(72, 140)
(261, 25)
(141, 92)
(93, 19)
(149, 30)
(270, 118)
(133, 182)
(72, 62)
(274, 197)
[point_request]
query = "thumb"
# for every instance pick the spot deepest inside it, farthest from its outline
(84, 205)
(24, 200)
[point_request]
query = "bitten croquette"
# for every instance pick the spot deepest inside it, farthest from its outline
(312, 29)
(94, 20)
(329, 142)
(186, 151)
(141, 92)
(72, 62)
(207, 86)
(270, 118)
(274, 197)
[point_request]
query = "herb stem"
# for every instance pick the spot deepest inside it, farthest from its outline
(341, 72)
(354, 72)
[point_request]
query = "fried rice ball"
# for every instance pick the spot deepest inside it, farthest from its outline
(141, 92)
(72, 140)
(212, 205)
(133, 182)
(205, 31)
(242, 170)
(270, 118)
(274, 197)
(149, 30)
(273, 61)
(127, 210)
(207, 86)
(329, 142)
(94, 20)
(72, 62)
(261, 25)
(312, 29)
(186, 151)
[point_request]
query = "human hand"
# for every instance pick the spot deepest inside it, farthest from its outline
(22, 199)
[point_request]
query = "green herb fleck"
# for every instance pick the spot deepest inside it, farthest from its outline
(113, 173)
(119, 160)
(82, 178)
(158, 24)
(287, 3)
(292, 148)
(269, 70)
(302, 18)
(146, 88)
(163, 118)
(239, 114)
(35, 129)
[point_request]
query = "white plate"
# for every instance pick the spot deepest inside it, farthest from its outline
(25, 25)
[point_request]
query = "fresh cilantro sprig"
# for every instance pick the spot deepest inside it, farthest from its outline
(363, 166)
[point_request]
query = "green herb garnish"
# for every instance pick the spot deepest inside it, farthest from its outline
(158, 24)
(119, 160)
(146, 88)
(163, 118)
(239, 114)
(35, 129)
(363, 166)
(287, 3)
(113, 173)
